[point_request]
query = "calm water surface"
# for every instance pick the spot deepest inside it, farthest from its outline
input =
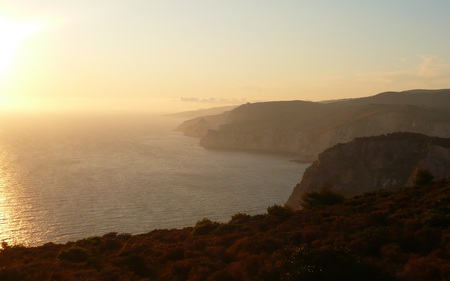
(64, 178)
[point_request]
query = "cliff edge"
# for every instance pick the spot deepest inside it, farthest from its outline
(305, 129)
(371, 163)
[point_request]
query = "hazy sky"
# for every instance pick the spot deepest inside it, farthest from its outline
(144, 54)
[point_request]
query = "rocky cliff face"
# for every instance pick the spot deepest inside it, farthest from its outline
(306, 141)
(306, 128)
(370, 163)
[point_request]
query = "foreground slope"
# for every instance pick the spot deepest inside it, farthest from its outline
(383, 235)
(307, 128)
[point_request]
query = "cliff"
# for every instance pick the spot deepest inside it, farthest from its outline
(198, 127)
(371, 163)
(305, 129)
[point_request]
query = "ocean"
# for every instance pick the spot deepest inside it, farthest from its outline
(66, 177)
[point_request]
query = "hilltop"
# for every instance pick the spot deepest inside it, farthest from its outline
(203, 112)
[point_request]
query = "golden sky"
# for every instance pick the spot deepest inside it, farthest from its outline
(172, 55)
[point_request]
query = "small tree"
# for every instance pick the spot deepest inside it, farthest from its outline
(240, 218)
(280, 211)
(204, 226)
(324, 197)
(421, 177)
(75, 254)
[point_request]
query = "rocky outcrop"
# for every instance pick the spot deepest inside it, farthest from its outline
(305, 129)
(371, 163)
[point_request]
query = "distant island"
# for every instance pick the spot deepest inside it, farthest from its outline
(304, 129)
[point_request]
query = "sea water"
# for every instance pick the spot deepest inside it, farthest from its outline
(66, 177)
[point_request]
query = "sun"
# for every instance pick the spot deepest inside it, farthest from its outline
(12, 35)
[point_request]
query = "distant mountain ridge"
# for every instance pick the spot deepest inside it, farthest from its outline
(440, 99)
(203, 112)
(305, 128)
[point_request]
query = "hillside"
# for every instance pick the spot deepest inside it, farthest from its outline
(369, 163)
(305, 129)
(383, 235)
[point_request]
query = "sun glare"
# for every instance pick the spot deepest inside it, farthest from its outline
(12, 35)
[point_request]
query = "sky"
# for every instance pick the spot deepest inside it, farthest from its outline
(172, 55)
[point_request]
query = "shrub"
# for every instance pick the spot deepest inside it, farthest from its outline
(324, 197)
(124, 236)
(110, 244)
(75, 254)
(137, 264)
(280, 211)
(175, 254)
(7, 274)
(311, 263)
(204, 226)
(94, 262)
(421, 177)
(421, 268)
(110, 235)
(240, 218)
(90, 241)
(225, 228)
(437, 218)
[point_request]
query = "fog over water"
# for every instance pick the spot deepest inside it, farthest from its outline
(66, 177)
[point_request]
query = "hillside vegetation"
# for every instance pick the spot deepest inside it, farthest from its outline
(382, 235)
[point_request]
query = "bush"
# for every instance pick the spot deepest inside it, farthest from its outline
(205, 226)
(75, 254)
(311, 263)
(280, 211)
(7, 274)
(240, 218)
(422, 177)
(137, 264)
(110, 244)
(324, 197)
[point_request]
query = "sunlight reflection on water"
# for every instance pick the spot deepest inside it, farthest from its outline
(15, 225)
(68, 179)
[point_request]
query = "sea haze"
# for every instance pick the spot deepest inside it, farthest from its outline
(66, 177)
